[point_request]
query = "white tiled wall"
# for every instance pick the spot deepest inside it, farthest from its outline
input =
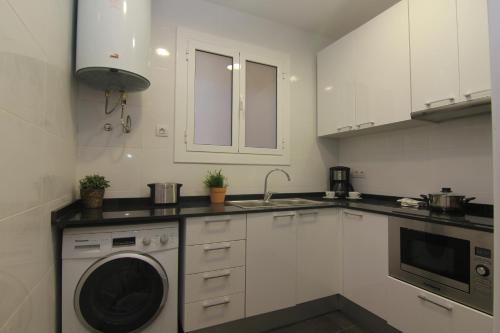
(132, 160)
(38, 155)
(410, 162)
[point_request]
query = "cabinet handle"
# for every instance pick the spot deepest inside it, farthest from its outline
(308, 212)
(221, 246)
(218, 219)
(286, 214)
(469, 94)
(209, 304)
(444, 306)
(371, 123)
(208, 276)
(451, 99)
(339, 129)
(354, 215)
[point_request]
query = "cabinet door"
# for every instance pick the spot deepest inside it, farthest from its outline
(434, 53)
(365, 259)
(410, 309)
(335, 87)
(271, 262)
(474, 49)
(319, 254)
(383, 68)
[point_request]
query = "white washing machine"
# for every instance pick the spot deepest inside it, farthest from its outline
(120, 279)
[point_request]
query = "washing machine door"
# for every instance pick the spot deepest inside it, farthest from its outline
(121, 293)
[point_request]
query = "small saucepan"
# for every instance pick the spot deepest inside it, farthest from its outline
(447, 201)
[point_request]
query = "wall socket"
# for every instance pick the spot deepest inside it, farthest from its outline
(161, 130)
(358, 174)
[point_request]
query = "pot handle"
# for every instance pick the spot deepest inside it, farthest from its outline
(466, 200)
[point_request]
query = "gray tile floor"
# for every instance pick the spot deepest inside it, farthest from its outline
(334, 322)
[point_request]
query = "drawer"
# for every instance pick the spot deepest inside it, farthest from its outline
(213, 311)
(214, 284)
(212, 229)
(211, 257)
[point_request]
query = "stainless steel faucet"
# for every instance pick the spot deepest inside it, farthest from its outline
(268, 195)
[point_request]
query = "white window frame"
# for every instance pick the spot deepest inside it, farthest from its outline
(185, 150)
(195, 45)
(269, 60)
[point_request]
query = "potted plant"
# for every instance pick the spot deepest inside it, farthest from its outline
(216, 182)
(92, 190)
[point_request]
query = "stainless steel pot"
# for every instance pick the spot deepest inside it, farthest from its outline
(447, 201)
(165, 193)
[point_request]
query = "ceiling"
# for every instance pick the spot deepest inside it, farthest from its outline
(332, 18)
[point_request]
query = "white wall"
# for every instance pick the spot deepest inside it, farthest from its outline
(494, 21)
(133, 160)
(410, 162)
(38, 150)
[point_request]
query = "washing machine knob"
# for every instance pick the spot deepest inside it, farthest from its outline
(146, 241)
(164, 239)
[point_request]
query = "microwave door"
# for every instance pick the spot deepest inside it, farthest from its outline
(438, 258)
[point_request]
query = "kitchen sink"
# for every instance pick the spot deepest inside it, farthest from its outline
(275, 203)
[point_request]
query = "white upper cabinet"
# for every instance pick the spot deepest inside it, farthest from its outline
(449, 52)
(336, 97)
(474, 49)
(383, 69)
(434, 53)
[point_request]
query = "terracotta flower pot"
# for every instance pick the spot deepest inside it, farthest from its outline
(217, 195)
(92, 198)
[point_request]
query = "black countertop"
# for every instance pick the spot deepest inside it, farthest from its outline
(140, 210)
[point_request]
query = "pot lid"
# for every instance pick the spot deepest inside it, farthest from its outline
(446, 191)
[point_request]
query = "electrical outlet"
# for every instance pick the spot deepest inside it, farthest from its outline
(358, 174)
(161, 130)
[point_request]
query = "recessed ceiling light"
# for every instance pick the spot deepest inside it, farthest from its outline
(293, 78)
(328, 88)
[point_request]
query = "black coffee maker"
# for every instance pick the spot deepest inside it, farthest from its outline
(340, 181)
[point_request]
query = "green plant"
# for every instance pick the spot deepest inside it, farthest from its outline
(215, 179)
(94, 182)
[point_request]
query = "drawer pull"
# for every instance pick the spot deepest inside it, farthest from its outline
(340, 129)
(208, 276)
(218, 219)
(451, 99)
(209, 304)
(286, 214)
(470, 93)
(444, 306)
(221, 246)
(353, 215)
(371, 123)
(308, 212)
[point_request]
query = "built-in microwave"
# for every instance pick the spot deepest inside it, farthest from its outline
(450, 261)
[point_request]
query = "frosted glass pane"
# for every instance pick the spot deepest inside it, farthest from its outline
(213, 90)
(260, 106)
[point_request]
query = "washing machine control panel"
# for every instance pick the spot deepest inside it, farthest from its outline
(87, 245)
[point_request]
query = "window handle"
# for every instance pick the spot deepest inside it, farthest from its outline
(242, 103)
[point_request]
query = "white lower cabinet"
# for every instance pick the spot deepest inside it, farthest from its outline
(319, 254)
(365, 259)
(213, 284)
(271, 262)
(413, 310)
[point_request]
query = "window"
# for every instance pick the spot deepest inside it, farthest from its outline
(231, 102)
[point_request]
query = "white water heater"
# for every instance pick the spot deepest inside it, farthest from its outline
(113, 44)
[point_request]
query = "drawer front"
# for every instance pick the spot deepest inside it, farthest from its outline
(213, 311)
(211, 257)
(214, 284)
(212, 229)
